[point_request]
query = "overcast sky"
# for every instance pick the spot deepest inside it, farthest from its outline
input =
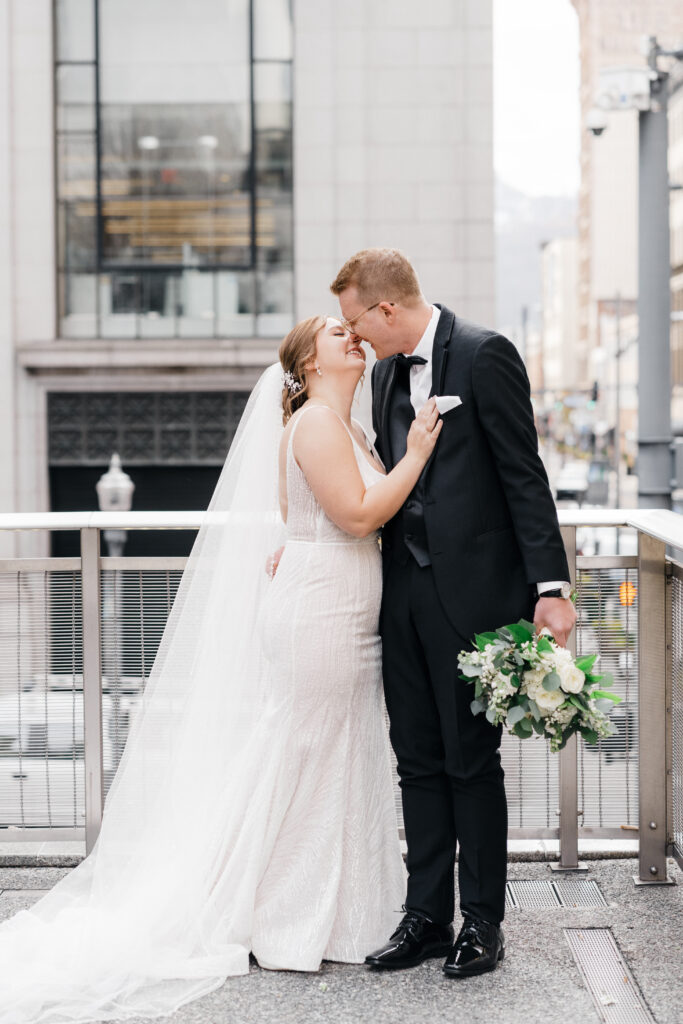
(536, 93)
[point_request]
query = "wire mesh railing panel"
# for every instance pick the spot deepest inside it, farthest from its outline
(135, 606)
(677, 711)
(531, 782)
(41, 700)
(607, 607)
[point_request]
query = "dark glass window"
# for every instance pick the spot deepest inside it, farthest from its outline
(174, 156)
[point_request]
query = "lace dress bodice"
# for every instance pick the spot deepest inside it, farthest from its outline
(306, 520)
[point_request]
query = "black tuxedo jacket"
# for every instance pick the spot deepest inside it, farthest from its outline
(490, 519)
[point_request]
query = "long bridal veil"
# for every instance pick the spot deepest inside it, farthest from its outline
(160, 912)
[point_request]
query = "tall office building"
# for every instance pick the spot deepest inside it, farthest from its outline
(611, 32)
(179, 182)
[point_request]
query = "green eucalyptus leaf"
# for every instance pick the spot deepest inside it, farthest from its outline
(519, 633)
(544, 644)
(590, 736)
(483, 640)
(606, 681)
(603, 705)
(539, 726)
(534, 709)
(529, 626)
(476, 707)
(606, 695)
(490, 715)
(523, 728)
(471, 670)
(515, 714)
(586, 662)
(551, 682)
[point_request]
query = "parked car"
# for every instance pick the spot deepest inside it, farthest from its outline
(572, 482)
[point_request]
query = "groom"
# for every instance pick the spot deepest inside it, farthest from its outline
(476, 545)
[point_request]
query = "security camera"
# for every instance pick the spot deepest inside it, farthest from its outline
(596, 121)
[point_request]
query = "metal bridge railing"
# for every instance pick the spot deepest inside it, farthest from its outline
(79, 636)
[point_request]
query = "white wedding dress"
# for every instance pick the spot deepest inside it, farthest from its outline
(336, 876)
(252, 810)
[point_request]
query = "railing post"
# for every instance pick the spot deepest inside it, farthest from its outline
(652, 721)
(568, 795)
(92, 683)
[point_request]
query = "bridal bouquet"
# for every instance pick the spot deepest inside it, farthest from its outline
(530, 684)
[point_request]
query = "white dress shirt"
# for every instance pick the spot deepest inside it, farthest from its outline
(421, 376)
(421, 385)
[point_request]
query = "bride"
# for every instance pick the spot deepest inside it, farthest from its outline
(252, 811)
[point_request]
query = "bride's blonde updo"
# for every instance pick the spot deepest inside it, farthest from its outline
(297, 349)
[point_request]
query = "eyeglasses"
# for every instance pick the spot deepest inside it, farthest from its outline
(350, 325)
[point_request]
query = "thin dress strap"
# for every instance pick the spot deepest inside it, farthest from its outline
(307, 408)
(354, 440)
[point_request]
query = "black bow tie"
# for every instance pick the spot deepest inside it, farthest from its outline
(403, 360)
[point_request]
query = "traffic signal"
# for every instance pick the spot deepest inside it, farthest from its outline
(627, 593)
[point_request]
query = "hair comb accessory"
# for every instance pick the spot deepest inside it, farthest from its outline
(291, 383)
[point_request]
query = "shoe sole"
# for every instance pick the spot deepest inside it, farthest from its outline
(415, 962)
(464, 972)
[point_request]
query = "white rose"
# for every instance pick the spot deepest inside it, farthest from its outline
(533, 687)
(572, 678)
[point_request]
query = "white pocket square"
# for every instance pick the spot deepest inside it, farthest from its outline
(444, 403)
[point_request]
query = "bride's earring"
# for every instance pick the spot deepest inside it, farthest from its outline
(318, 371)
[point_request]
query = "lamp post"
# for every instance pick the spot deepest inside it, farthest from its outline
(646, 89)
(114, 494)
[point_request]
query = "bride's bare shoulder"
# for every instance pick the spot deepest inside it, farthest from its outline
(315, 418)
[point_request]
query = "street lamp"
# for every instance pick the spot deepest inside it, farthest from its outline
(646, 89)
(114, 494)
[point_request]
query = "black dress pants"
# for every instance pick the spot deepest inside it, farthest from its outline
(448, 760)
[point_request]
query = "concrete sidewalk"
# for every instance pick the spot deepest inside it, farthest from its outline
(538, 983)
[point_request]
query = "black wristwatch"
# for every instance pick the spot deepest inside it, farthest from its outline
(563, 592)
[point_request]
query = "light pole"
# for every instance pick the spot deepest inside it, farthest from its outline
(114, 494)
(646, 90)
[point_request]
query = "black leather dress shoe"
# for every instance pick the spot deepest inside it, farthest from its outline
(478, 948)
(415, 939)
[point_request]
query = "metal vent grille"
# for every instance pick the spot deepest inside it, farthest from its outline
(578, 892)
(545, 895)
(529, 895)
(613, 988)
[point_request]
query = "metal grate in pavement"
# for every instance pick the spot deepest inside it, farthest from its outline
(579, 892)
(545, 895)
(531, 895)
(613, 988)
